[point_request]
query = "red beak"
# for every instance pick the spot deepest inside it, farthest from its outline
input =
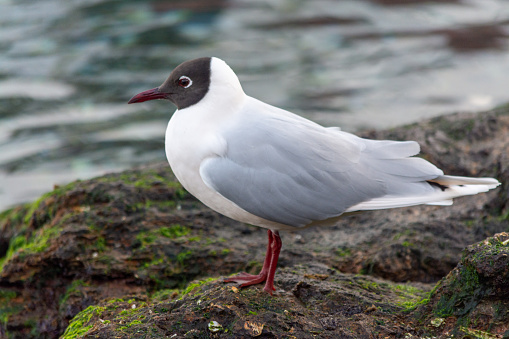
(147, 95)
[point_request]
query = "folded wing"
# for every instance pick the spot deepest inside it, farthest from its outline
(289, 170)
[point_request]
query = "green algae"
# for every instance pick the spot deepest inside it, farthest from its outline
(132, 323)
(145, 180)
(343, 252)
(466, 293)
(193, 287)
(79, 325)
(43, 202)
(23, 245)
(73, 289)
(34, 215)
(471, 333)
(410, 297)
(183, 256)
(6, 307)
(165, 294)
(172, 232)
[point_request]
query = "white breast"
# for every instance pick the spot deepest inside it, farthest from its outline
(187, 145)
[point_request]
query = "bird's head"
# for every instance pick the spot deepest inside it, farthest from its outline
(191, 81)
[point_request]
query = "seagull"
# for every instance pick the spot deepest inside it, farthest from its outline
(265, 166)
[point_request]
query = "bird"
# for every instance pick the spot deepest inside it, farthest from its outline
(268, 167)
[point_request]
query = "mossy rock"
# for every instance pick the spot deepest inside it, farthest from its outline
(474, 297)
(311, 301)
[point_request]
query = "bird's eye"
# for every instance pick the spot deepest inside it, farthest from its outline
(185, 82)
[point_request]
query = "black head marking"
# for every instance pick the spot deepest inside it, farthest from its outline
(188, 83)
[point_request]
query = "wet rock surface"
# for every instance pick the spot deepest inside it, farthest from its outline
(134, 255)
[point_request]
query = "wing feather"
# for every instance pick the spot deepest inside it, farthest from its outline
(286, 169)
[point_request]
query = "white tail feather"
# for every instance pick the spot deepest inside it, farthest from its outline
(447, 180)
(454, 187)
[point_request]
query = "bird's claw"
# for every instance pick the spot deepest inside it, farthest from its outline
(246, 279)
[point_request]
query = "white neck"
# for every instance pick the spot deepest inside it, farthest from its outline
(225, 92)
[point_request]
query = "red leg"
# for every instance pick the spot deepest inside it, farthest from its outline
(275, 249)
(269, 266)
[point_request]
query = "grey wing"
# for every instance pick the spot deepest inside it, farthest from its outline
(289, 170)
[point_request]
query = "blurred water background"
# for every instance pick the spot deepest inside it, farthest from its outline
(67, 69)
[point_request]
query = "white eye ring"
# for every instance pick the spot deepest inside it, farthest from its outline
(185, 82)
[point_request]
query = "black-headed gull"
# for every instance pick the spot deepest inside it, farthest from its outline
(265, 166)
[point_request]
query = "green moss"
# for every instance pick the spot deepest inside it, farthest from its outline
(49, 210)
(409, 306)
(463, 289)
(504, 216)
(146, 238)
(154, 262)
(407, 233)
(6, 295)
(409, 297)
(407, 244)
(37, 243)
(6, 214)
(73, 288)
(471, 333)
(14, 244)
(34, 207)
(369, 285)
(132, 323)
(183, 256)
(165, 294)
(464, 294)
(174, 231)
(33, 326)
(146, 180)
(130, 314)
(26, 242)
(26, 212)
(409, 289)
(196, 285)
(78, 326)
(344, 252)
(15, 215)
(117, 300)
(40, 241)
(6, 307)
(100, 244)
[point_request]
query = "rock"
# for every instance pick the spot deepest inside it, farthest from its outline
(474, 297)
(106, 251)
(343, 305)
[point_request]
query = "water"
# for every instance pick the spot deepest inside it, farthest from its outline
(67, 69)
